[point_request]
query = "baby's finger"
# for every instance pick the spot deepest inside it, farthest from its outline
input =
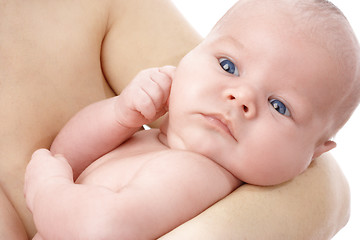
(40, 153)
(32, 174)
(164, 82)
(37, 237)
(168, 70)
(145, 105)
(154, 89)
(35, 160)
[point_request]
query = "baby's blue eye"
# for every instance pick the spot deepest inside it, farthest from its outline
(228, 66)
(280, 107)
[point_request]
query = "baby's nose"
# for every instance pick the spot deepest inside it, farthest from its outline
(245, 100)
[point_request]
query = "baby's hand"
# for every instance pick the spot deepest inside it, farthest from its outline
(42, 170)
(146, 98)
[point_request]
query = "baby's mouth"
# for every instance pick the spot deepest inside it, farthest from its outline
(220, 123)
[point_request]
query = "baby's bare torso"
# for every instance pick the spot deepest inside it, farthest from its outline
(118, 168)
(144, 184)
(144, 154)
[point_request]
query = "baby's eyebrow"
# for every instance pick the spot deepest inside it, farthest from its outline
(230, 41)
(236, 43)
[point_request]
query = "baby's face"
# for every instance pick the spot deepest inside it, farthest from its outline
(254, 98)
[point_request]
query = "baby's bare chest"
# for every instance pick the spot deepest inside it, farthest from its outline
(137, 156)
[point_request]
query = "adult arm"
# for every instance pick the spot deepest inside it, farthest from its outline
(315, 205)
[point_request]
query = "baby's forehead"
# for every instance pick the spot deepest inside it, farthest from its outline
(318, 21)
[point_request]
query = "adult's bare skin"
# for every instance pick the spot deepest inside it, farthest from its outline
(313, 206)
(58, 56)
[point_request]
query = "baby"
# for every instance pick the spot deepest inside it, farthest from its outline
(255, 102)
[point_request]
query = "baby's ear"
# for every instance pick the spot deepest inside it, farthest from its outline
(325, 147)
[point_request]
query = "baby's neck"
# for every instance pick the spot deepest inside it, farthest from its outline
(163, 138)
(163, 131)
(174, 142)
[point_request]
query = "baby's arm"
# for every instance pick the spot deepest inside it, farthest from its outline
(102, 126)
(152, 203)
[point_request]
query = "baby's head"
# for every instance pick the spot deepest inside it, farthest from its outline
(325, 25)
(264, 93)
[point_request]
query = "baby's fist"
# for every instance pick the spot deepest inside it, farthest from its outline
(146, 98)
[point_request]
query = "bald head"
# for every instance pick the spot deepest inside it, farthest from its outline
(323, 23)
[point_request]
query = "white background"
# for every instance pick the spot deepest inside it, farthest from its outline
(203, 14)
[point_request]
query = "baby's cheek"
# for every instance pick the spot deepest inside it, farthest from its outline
(288, 165)
(270, 165)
